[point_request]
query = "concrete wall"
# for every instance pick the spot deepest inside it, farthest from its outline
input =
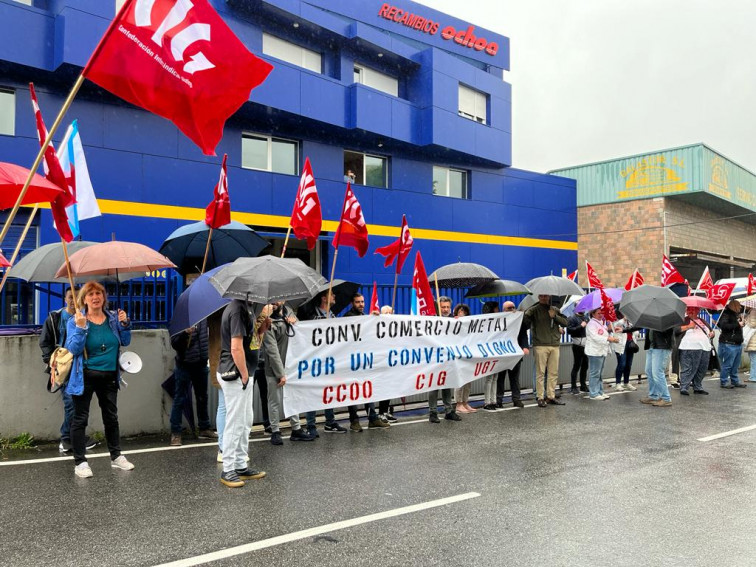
(27, 407)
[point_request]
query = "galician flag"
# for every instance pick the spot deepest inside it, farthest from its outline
(74, 164)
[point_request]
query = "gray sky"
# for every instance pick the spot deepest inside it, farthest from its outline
(599, 79)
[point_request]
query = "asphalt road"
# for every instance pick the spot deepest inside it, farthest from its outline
(591, 483)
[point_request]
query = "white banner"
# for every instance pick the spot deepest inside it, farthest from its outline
(333, 363)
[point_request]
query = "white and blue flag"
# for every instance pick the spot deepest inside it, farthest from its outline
(74, 164)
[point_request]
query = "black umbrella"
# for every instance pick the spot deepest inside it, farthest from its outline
(186, 245)
(498, 288)
(554, 285)
(267, 279)
(653, 307)
(462, 274)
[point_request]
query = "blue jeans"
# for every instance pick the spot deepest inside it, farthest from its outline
(656, 367)
(330, 418)
(624, 364)
(595, 383)
(220, 419)
(752, 358)
(729, 360)
(68, 413)
(187, 377)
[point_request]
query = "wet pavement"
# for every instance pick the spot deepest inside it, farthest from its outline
(591, 483)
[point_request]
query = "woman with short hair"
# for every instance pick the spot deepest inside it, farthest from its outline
(597, 348)
(95, 336)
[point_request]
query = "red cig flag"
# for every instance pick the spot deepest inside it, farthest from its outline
(593, 279)
(670, 275)
(425, 304)
(218, 212)
(54, 173)
(635, 280)
(306, 217)
(374, 305)
(177, 59)
(399, 249)
(352, 229)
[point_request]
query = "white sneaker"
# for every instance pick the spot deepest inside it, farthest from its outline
(121, 463)
(604, 397)
(630, 388)
(619, 387)
(82, 470)
(219, 459)
(599, 397)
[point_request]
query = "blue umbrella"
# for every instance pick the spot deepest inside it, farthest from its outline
(197, 302)
(186, 245)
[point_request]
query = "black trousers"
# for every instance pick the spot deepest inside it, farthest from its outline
(579, 364)
(383, 406)
(262, 386)
(514, 382)
(105, 385)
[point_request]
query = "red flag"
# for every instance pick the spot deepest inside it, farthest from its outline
(374, 306)
(720, 294)
(607, 307)
(4, 263)
(54, 173)
(422, 288)
(670, 275)
(218, 212)
(593, 279)
(352, 229)
(635, 280)
(400, 248)
(306, 217)
(179, 60)
(751, 289)
(705, 282)
(573, 276)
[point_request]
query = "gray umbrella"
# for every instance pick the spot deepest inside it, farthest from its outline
(653, 307)
(554, 285)
(266, 279)
(41, 264)
(462, 274)
(498, 288)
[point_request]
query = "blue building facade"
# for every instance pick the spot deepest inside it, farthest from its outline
(409, 98)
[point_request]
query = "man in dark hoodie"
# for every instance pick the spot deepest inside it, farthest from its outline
(730, 345)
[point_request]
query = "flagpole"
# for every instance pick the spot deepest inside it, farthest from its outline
(286, 242)
(68, 267)
(393, 295)
(40, 155)
(207, 249)
(18, 245)
(333, 272)
(438, 300)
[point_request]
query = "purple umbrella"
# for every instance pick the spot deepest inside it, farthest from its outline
(593, 300)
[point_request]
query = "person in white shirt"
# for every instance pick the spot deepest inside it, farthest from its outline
(695, 351)
(597, 348)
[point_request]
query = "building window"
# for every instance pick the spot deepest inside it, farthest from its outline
(375, 79)
(270, 154)
(473, 104)
(450, 182)
(367, 169)
(292, 53)
(7, 112)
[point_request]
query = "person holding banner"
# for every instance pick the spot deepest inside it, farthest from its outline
(462, 395)
(514, 373)
(489, 403)
(445, 308)
(730, 345)
(544, 321)
(384, 406)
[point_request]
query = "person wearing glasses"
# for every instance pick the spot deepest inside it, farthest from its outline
(513, 373)
(95, 336)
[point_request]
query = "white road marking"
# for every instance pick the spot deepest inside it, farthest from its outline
(318, 530)
(727, 433)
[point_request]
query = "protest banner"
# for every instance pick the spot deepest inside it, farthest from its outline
(340, 362)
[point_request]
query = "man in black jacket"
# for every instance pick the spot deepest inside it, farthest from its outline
(659, 347)
(730, 345)
(514, 373)
(190, 370)
(576, 328)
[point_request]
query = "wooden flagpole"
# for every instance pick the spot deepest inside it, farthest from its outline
(18, 245)
(333, 272)
(40, 155)
(207, 250)
(286, 243)
(438, 300)
(68, 268)
(393, 295)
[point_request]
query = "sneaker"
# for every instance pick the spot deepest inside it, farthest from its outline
(312, 431)
(382, 417)
(249, 474)
(604, 396)
(231, 479)
(64, 447)
(594, 398)
(276, 439)
(554, 402)
(541, 403)
(740, 385)
(518, 404)
(575, 391)
(619, 388)
(390, 417)
(175, 440)
(629, 387)
(219, 458)
(334, 428)
(489, 407)
(452, 416)
(726, 386)
(433, 417)
(684, 393)
(82, 470)
(120, 462)
(355, 426)
(584, 388)
(207, 434)
(704, 392)
(499, 404)
(300, 435)
(648, 401)
(268, 431)
(661, 404)
(378, 424)
(676, 385)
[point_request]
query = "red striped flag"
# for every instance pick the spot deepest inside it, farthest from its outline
(352, 229)
(593, 279)
(218, 212)
(670, 275)
(306, 217)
